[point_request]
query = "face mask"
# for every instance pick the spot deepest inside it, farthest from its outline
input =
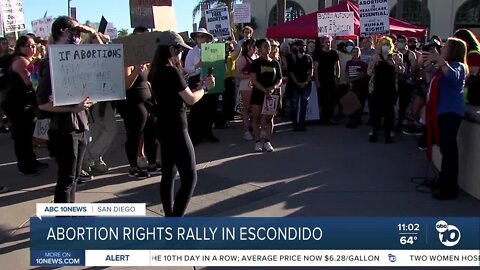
(301, 50)
(401, 45)
(349, 49)
(385, 48)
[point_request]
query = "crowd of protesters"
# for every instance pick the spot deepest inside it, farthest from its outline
(410, 87)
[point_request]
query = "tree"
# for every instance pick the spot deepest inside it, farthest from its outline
(122, 32)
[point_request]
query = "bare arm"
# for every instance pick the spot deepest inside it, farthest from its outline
(65, 109)
(20, 67)
(191, 97)
(337, 69)
(131, 74)
(239, 65)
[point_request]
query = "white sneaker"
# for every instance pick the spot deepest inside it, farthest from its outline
(100, 166)
(258, 147)
(268, 147)
(247, 136)
(142, 162)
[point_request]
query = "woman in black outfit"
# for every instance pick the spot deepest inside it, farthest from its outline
(171, 92)
(138, 120)
(384, 67)
(20, 104)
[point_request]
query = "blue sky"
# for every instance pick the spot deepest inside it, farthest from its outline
(115, 11)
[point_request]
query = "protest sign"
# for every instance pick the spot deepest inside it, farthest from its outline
(140, 48)
(41, 129)
(270, 105)
(12, 14)
(242, 13)
(164, 18)
(42, 27)
(91, 70)
(218, 22)
(374, 17)
(141, 12)
(111, 31)
(213, 56)
(335, 24)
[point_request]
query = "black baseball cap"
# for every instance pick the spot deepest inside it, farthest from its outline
(171, 38)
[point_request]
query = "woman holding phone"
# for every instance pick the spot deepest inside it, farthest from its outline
(171, 93)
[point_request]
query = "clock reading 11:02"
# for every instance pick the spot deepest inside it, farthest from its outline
(410, 227)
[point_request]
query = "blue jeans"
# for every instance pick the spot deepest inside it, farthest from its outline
(299, 95)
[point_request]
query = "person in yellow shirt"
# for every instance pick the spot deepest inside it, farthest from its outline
(229, 96)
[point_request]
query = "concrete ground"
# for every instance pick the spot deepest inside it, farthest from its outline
(327, 171)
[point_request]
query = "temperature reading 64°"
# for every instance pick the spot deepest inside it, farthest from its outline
(408, 240)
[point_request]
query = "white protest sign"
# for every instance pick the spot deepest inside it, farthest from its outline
(335, 24)
(242, 13)
(95, 71)
(12, 14)
(42, 27)
(374, 17)
(41, 129)
(218, 23)
(111, 31)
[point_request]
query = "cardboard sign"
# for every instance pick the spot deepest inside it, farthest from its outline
(90, 70)
(41, 129)
(350, 103)
(141, 12)
(270, 105)
(164, 18)
(335, 24)
(374, 17)
(242, 13)
(140, 48)
(12, 14)
(218, 22)
(42, 27)
(111, 31)
(213, 56)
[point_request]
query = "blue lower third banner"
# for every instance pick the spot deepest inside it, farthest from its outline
(150, 241)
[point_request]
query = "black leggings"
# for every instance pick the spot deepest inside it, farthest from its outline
(23, 125)
(382, 107)
(177, 151)
(137, 121)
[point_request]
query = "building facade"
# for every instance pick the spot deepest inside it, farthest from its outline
(442, 17)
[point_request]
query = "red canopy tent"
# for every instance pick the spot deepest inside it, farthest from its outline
(306, 26)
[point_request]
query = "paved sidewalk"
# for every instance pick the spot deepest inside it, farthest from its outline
(327, 171)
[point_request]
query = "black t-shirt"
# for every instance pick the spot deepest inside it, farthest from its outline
(65, 122)
(140, 90)
(167, 83)
(326, 65)
(302, 68)
(268, 72)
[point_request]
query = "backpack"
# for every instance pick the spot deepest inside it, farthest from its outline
(473, 85)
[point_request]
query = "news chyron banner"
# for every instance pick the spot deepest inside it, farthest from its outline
(136, 240)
